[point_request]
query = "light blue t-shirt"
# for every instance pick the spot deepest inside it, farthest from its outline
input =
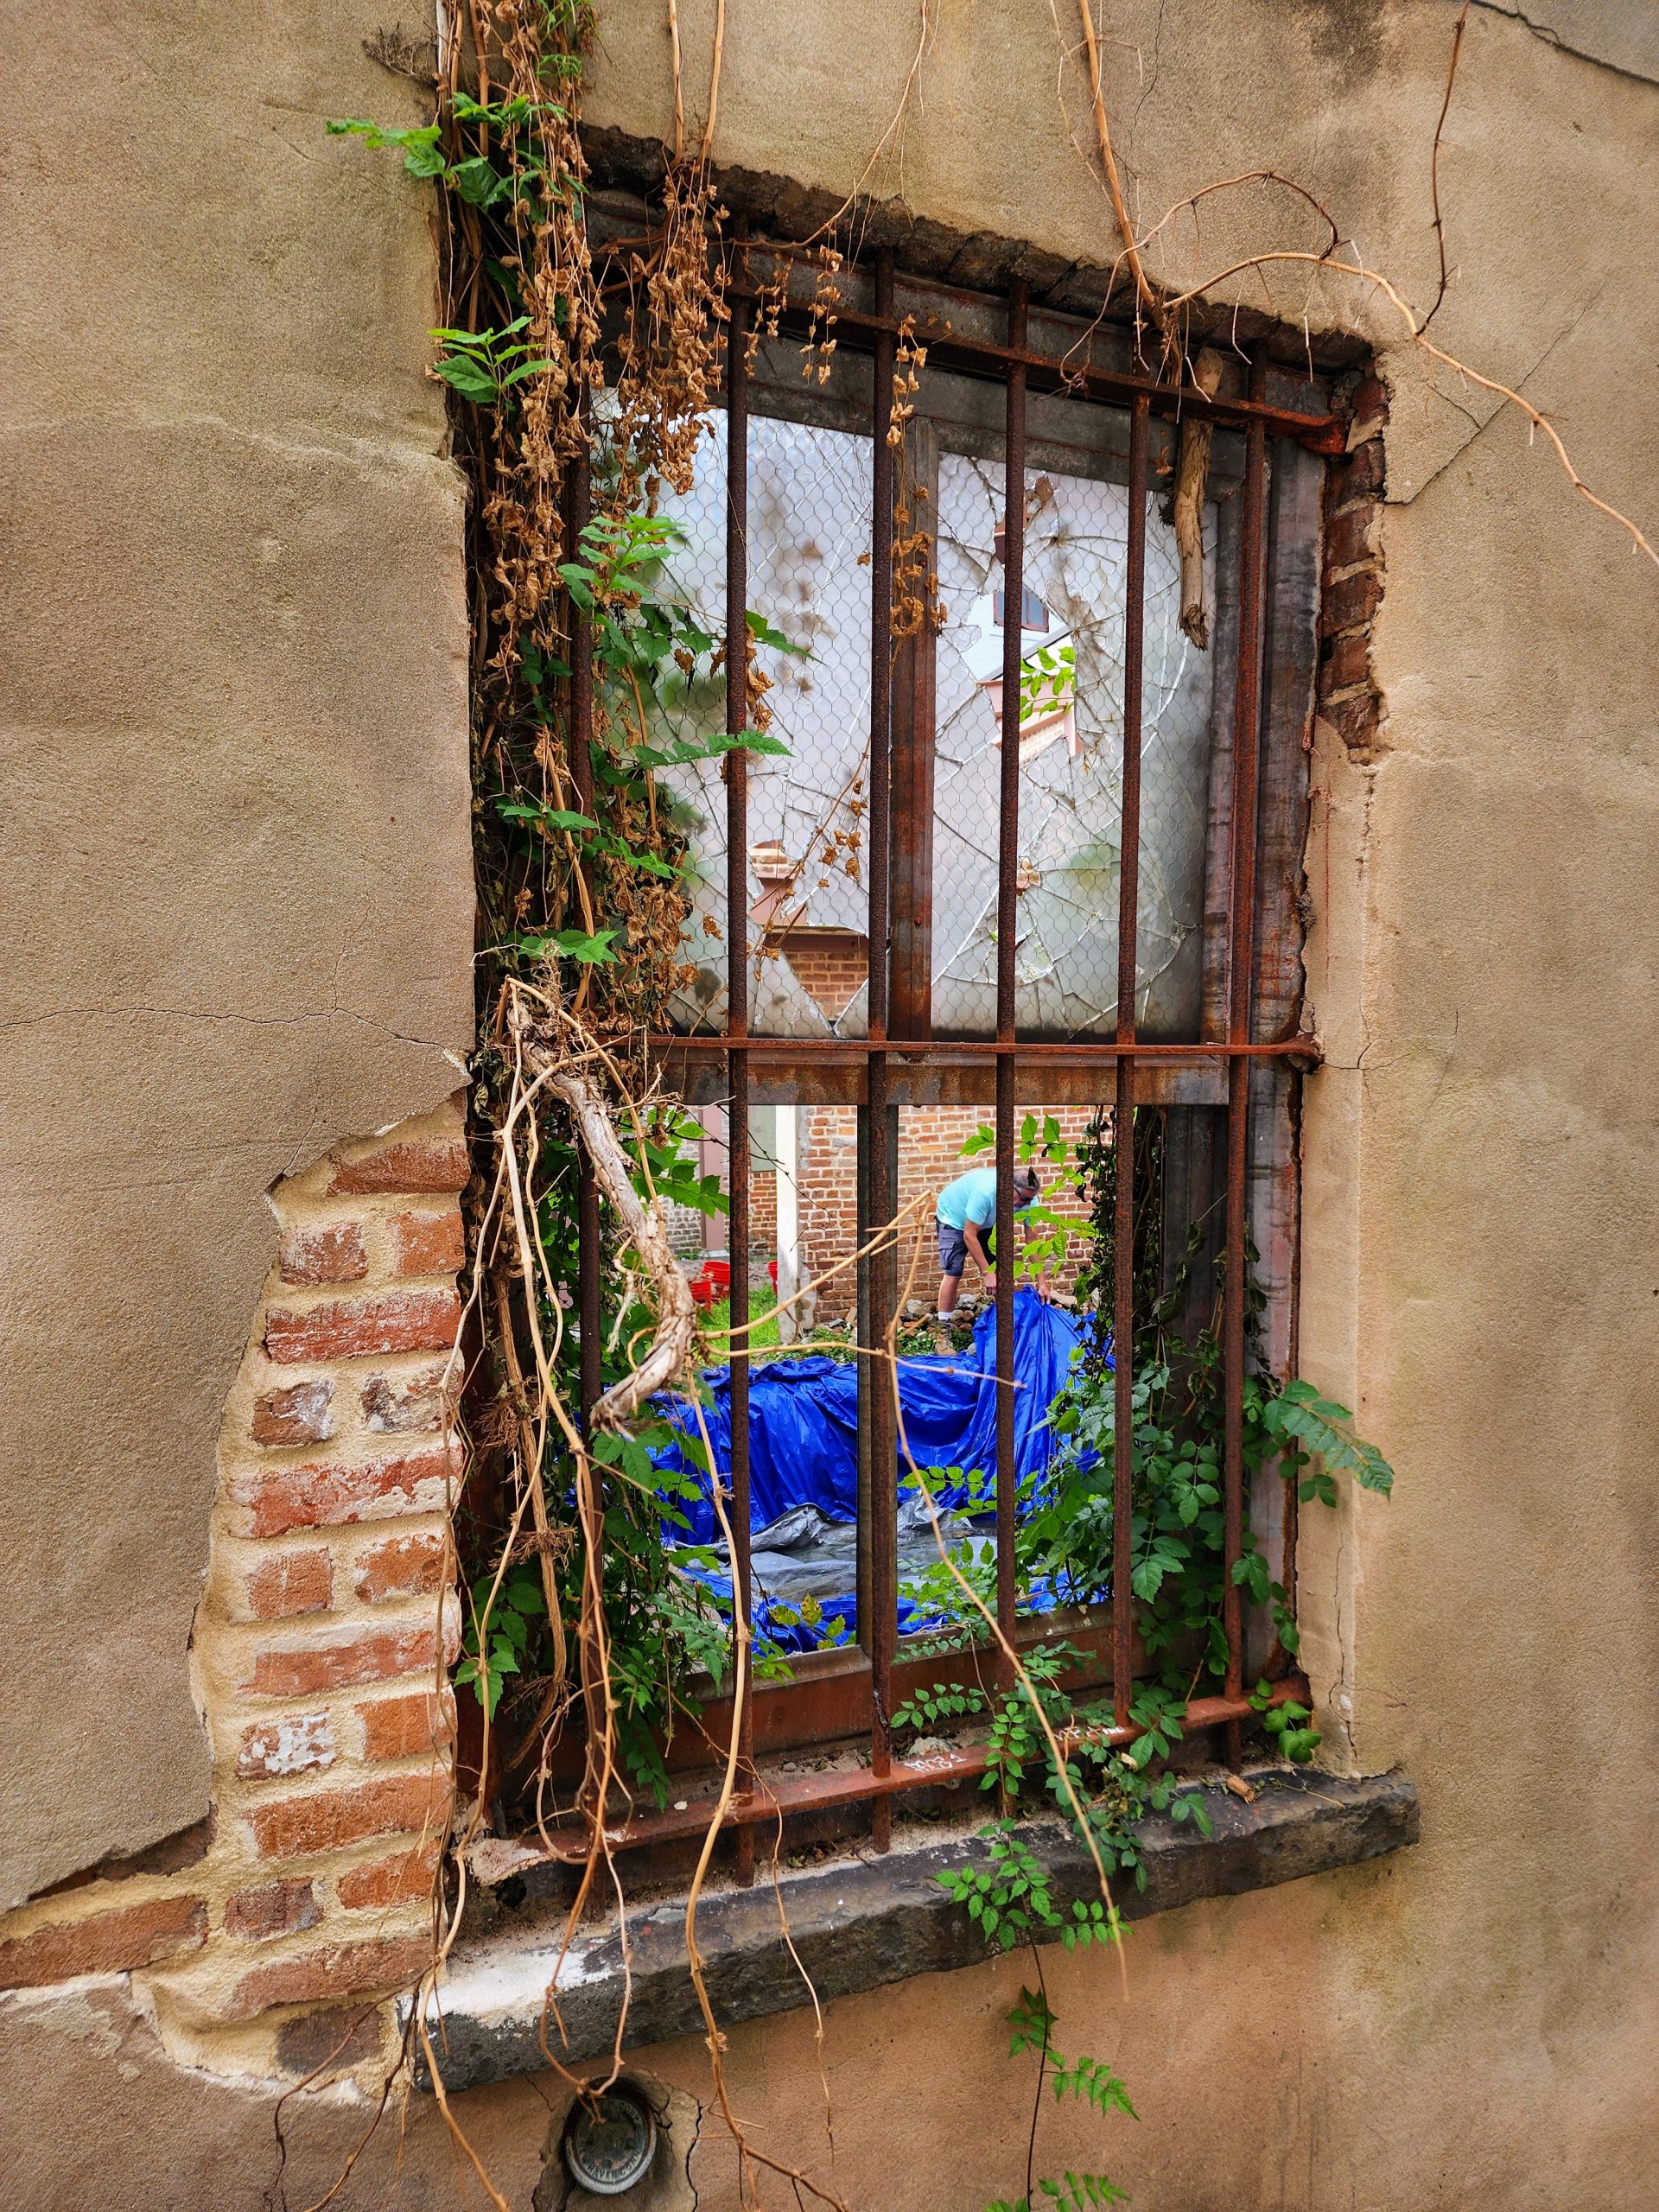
(971, 1197)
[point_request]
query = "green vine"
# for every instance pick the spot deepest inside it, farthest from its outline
(1087, 2081)
(1064, 1542)
(587, 887)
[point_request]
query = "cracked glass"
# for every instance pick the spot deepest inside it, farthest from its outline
(809, 508)
(1071, 761)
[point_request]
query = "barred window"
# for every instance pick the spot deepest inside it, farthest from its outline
(998, 891)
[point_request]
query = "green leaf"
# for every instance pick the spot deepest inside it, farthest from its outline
(465, 376)
(766, 633)
(576, 944)
(478, 182)
(550, 817)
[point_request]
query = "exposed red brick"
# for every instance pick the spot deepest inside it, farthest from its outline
(351, 1328)
(329, 1494)
(278, 1909)
(390, 1881)
(403, 1402)
(1354, 719)
(324, 1820)
(301, 1581)
(325, 1662)
(426, 1165)
(404, 1566)
(1349, 603)
(1347, 662)
(427, 1243)
(1370, 406)
(300, 1414)
(830, 965)
(323, 1252)
(103, 1942)
(329, 1973)
(405, 1726)
(1360, 474)
(1353, 535)
(292, 1744)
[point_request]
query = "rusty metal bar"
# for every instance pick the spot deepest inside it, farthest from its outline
(1303, 1049)
(1322, 433)
(1240, 975)
(1128, 907)
(878, 1626)
(1008, 928)
(1289, 676)
(879, 1634)
(737, 992)
(878, 857)
(782, 1795)
(589, 1323)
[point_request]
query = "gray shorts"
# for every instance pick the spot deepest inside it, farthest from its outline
(953, 1248)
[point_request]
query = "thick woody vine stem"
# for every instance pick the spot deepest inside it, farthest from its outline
(677, 1320)
(1151, 300)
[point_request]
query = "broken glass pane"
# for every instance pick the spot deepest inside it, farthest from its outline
(1071, 740)
(810, 578)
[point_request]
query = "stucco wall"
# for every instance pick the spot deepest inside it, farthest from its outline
(236, 892)
(1473, 2024)
(243, 624)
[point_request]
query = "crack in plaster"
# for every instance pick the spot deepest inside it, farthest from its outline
(1549, 35)
(387, 452)
(1499, 406)
(201, 1013)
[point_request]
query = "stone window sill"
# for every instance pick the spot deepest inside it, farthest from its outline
(859, 1923)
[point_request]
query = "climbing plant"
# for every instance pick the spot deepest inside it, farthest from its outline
(1086, 2081)
(587, 890)
(583, 857)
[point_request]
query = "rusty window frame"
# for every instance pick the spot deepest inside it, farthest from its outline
(1258, 822)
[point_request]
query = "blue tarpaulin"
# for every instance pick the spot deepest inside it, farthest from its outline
(804, 1432)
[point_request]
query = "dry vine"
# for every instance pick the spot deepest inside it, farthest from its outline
(560, 1064)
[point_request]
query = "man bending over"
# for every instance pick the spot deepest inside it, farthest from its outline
(966, 1216)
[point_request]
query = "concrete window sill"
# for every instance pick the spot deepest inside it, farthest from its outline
(863, 1921)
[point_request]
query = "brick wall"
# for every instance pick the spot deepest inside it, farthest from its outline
(931, 1139)
(323, 1638)
(826, 1184)
(829, 965)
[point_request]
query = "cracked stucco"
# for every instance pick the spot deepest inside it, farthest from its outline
(1621, 34)
(1480, 1170)
(232, 726)
(237, 888)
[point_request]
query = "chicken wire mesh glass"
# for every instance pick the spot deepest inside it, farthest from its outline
(1071, 723)
(809, 550)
